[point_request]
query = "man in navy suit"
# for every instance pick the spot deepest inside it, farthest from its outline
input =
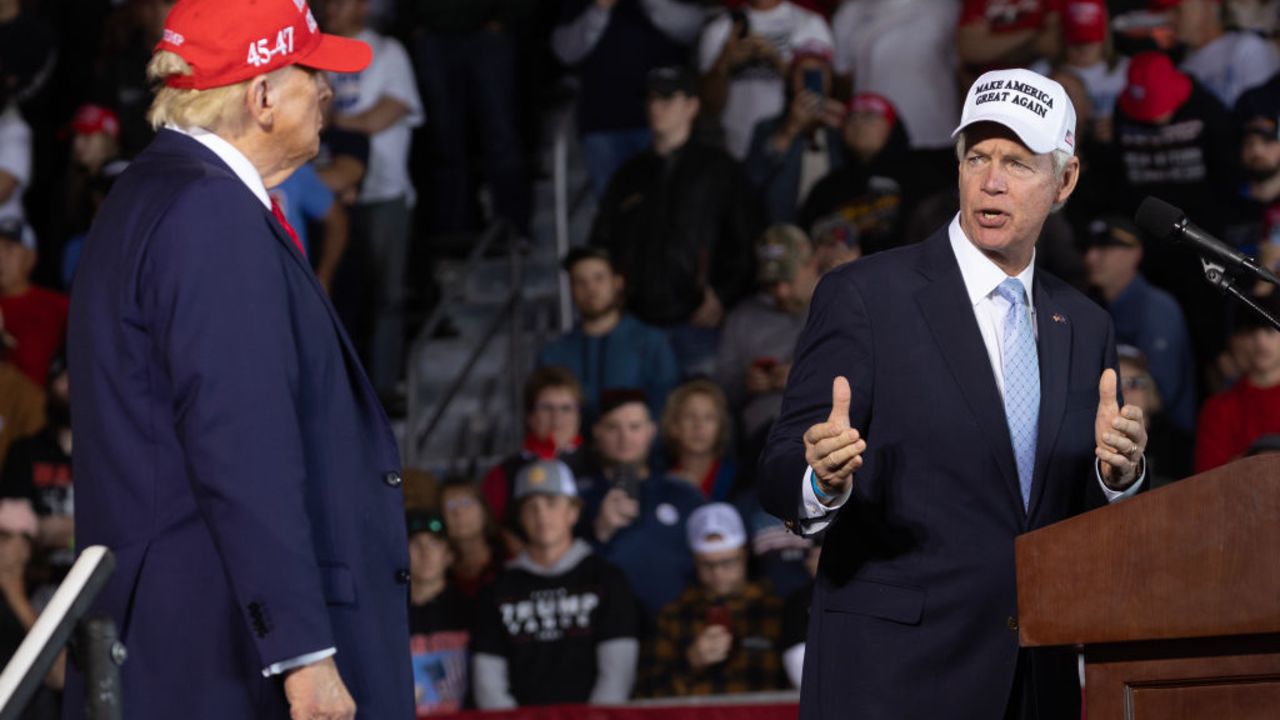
(945, 398)
(229, 448)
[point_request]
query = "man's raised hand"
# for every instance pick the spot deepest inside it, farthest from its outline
(834, 448)
(1120, 435)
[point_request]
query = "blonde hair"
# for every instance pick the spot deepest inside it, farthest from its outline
(218, 108)
(675, 405)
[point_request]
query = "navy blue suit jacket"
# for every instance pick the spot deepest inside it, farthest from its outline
(231, 453)
(914, 611)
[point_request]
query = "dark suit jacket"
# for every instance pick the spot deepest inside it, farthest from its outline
(914, 613)
(231, 453)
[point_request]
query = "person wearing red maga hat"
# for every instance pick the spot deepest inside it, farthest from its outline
(229, 448)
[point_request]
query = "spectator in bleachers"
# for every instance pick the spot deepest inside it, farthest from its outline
(609, 348)
(440, 620)
(95, 163)
(21, 402)
(478, 550)
(795, 617)
(791, 151)
(724, 633)
(678, 222)
(1257, 114)
(997, 34)
(17, 614)
(464, 54)
(381, 102)
(905, 51)
(15, 157)
(1169, 449)
(1231, 420)
(560, 625)
(1145, 316)
(1173, 140)
(745, 59)
(1226, 63)
(636, 517)
(612, 45)
(695, 431)
(95, 144)
(120, 80)
(306, 201)
(28, 53)
(553, 420)
(878, 182)
(39, 468)
(1090, 54)
(761, 332)
(33, 318)
(835, 242)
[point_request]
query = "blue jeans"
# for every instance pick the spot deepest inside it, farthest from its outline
(604, 153)
(469, 84)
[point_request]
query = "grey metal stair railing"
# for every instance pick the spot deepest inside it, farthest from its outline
(424, 421)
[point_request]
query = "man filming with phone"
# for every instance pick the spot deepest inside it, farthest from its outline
(790, 152)
(637, 517)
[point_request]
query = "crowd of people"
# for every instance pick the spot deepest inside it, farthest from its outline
(738, 151)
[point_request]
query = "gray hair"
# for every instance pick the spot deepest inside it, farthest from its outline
(1060, 159)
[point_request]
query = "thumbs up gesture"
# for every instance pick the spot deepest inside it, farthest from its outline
(1120, 435)
(833, 448)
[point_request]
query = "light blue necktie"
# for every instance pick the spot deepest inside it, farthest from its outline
(1021, 382)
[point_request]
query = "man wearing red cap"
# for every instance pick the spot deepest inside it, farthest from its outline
(229, 448)
(1173, 140)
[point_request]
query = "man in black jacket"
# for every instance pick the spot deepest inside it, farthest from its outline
(679, 222)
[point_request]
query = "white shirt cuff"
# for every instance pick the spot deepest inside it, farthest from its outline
(309, 658)
(1114, 495)
(815, 516)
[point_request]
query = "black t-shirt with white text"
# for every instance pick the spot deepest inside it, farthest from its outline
(548, 628)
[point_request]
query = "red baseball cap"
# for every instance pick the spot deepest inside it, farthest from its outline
(873, 103)
(91, 119)
(226, 41)
(1084, 22)
(1155, 87)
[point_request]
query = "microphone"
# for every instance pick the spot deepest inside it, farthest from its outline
(1165, 221)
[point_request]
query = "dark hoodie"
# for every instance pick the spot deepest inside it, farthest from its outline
(875, 197)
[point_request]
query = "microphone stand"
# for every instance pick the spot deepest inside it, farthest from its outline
(1217, 276)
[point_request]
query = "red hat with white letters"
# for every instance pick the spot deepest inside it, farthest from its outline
(226, 41)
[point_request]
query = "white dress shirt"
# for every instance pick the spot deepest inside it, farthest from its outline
(981, 278)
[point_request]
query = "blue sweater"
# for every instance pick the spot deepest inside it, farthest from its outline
(653, 551)
(633, 355)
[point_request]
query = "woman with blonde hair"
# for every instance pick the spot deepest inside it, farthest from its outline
(695, 431)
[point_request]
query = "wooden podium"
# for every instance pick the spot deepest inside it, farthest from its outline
(1174, 596)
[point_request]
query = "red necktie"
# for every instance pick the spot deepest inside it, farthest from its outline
(275, 210)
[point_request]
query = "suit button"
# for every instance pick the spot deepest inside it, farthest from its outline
(402, 576)
(1011, 622)
(393, 479)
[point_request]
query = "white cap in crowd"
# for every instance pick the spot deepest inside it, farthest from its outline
(1034, 107)
(716, 527)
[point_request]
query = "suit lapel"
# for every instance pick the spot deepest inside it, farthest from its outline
(1053, 345)
(945, 305)
(352, 359)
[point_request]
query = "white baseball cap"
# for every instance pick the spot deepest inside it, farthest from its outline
(1034, 107)
(716, 527)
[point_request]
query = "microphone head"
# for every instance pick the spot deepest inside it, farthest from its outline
(1157, 217)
